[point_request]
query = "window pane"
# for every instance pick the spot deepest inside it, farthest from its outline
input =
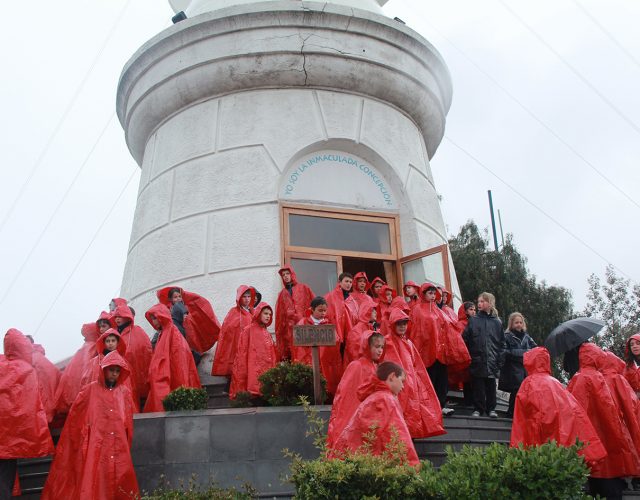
(320, 275)
(428, 268)
(339, 234)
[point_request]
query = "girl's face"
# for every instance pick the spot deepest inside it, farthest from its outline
(518, 324)
(111, 343)
(245, 300)
(377, 348)
(401, 327)
(430, 295)
(176, 297)
(155, 322)
(483, 305)
(410, 290)
(377, 287)
(265, 316)
(471, 311)
(103, 326)
(374, 315)
(319, 312)
(634, 345)
(361, 284)
(389, 295)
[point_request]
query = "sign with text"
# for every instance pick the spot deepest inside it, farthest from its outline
(313, 335)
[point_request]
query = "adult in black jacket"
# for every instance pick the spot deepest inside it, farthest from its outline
(484, 338)
(516, 342)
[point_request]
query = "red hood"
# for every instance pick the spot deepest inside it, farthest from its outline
(440, 291)
(118, 301)
(374, 281)
(627, 349)
(163, 315)
(364, 346)
(371, 385)
(258, 310)
(122, 345)
(240, 292)
(462, 314)
(123, 311)
(383, 292)
(90, 332)
(361, 274)
(114, 359)
(590, 355)
(410, 283)
(424, 287)
(163, 294)
(17, 346)
(400, 303)
(397, 315)
(537, 360)
(364, 313)
(611, 364)
(294, 278)
(104, 315)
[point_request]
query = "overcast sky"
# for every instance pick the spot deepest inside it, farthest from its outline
(545, 96)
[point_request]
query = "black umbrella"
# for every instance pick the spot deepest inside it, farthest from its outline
(571, 334)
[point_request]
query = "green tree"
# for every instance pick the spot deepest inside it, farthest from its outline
(616, 302)
(505, 274)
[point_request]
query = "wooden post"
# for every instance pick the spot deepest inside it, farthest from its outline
(317, 385)
(314, 336)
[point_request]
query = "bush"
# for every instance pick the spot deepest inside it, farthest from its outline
(191, 491)
(186, 398)
(243, 400)
(285, 383)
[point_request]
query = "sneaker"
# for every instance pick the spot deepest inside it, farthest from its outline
(493, 414)
(447, 411)
(475, 414)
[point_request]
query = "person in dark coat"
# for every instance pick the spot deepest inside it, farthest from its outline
(516, 342)
(484, 338)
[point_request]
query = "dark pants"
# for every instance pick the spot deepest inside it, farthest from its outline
(7, 477)
(607, 488)
(512, 400)
(467, 393)
(484, 394)
(439, 375)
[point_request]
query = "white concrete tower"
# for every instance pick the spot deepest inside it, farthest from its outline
(283, 131)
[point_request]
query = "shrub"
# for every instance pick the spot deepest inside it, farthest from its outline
(243, 400)
(191, 491)
(186, 398)
(285, 383)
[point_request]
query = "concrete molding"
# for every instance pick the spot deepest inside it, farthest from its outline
(193, 61)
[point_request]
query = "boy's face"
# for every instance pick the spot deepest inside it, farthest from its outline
(319, 312)
(176, 297)
(103, 326)
(410, 290)
(374, 315)
(401, 327)
(286, 276)
(377, 348)
(389, 295)
(430, 294)
(346, 284)
(155, 322)
(111, 343)
(471, 310)
(265, 316)
(361, 284)
(111, 373)
(245, 300)
(376, 287)
(119, 320)
(395, 383)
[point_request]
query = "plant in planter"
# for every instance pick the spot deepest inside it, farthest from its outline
(285, 383)
(186, 398)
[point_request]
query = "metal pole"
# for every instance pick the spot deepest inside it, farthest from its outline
(493, 221)
(500, 222)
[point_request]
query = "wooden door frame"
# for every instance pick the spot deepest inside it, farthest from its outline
(442, 249)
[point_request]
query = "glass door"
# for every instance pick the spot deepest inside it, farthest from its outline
(431, 265)
(320, 272)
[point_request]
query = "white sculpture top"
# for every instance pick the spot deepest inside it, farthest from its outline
(194, 7)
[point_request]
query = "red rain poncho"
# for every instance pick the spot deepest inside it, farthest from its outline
(379, 408)
(384, 306)
(330, 357)
(459, 374)
(172, 364)
(93, 457)
(589, 387)
(357, 299)
(372, 287)
(201, 325)
(418, 399)
(447, 309)
(546, 411)
(291, 306)
(93, 371)
(631, 370)
(612, 367)
(414, 299)
(48, 379)
(24, 432)
(345, 403)
(302, 354)
(138, 351)
(255, 355)
(71, 378)
(237, 319)
(353, 342)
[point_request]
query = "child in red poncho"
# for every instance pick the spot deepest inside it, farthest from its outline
(359, 297)
(337, 314)
(255, 355)
(371, 353)
(237, 319)
(315, 315)
(353, 342)
(632, 359)
(410, 292)
(293, 301)
(172, 365)
(48, 378)
(374, 288)
(380, 410)
(93, 456)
